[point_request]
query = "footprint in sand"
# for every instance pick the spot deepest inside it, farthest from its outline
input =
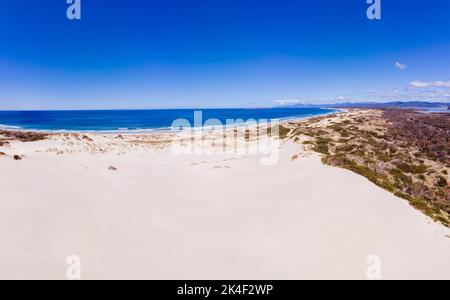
(221, 167)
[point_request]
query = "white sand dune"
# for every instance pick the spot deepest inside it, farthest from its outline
(163, 216)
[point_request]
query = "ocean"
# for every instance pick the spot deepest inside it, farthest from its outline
(129, 120)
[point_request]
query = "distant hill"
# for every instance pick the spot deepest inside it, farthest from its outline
(397, 104)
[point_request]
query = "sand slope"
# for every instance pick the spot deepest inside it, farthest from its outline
(162, 216)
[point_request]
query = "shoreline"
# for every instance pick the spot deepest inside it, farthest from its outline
(163, 129)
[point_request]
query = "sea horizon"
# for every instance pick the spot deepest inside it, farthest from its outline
(115, 120)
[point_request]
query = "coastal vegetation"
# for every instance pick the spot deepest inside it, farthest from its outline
(404, 152)
(8, 135)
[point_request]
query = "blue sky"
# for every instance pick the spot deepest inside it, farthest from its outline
(221, 53)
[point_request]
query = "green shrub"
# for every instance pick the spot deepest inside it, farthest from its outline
(322, 149)
(419, 169)
(442, 182)
(381, 155)
(404, 167)
(441, 219)
(283, 131)
(322, 145)
(345, 148)
(403, 195)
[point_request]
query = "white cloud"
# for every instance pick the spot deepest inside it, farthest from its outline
(435, 91)
(418, 84)
(400, 66)
(287, 102)
(424, 84)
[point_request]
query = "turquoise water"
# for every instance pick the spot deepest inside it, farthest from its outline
(122, 120)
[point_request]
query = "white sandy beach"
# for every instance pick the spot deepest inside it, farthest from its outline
(167, 216)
